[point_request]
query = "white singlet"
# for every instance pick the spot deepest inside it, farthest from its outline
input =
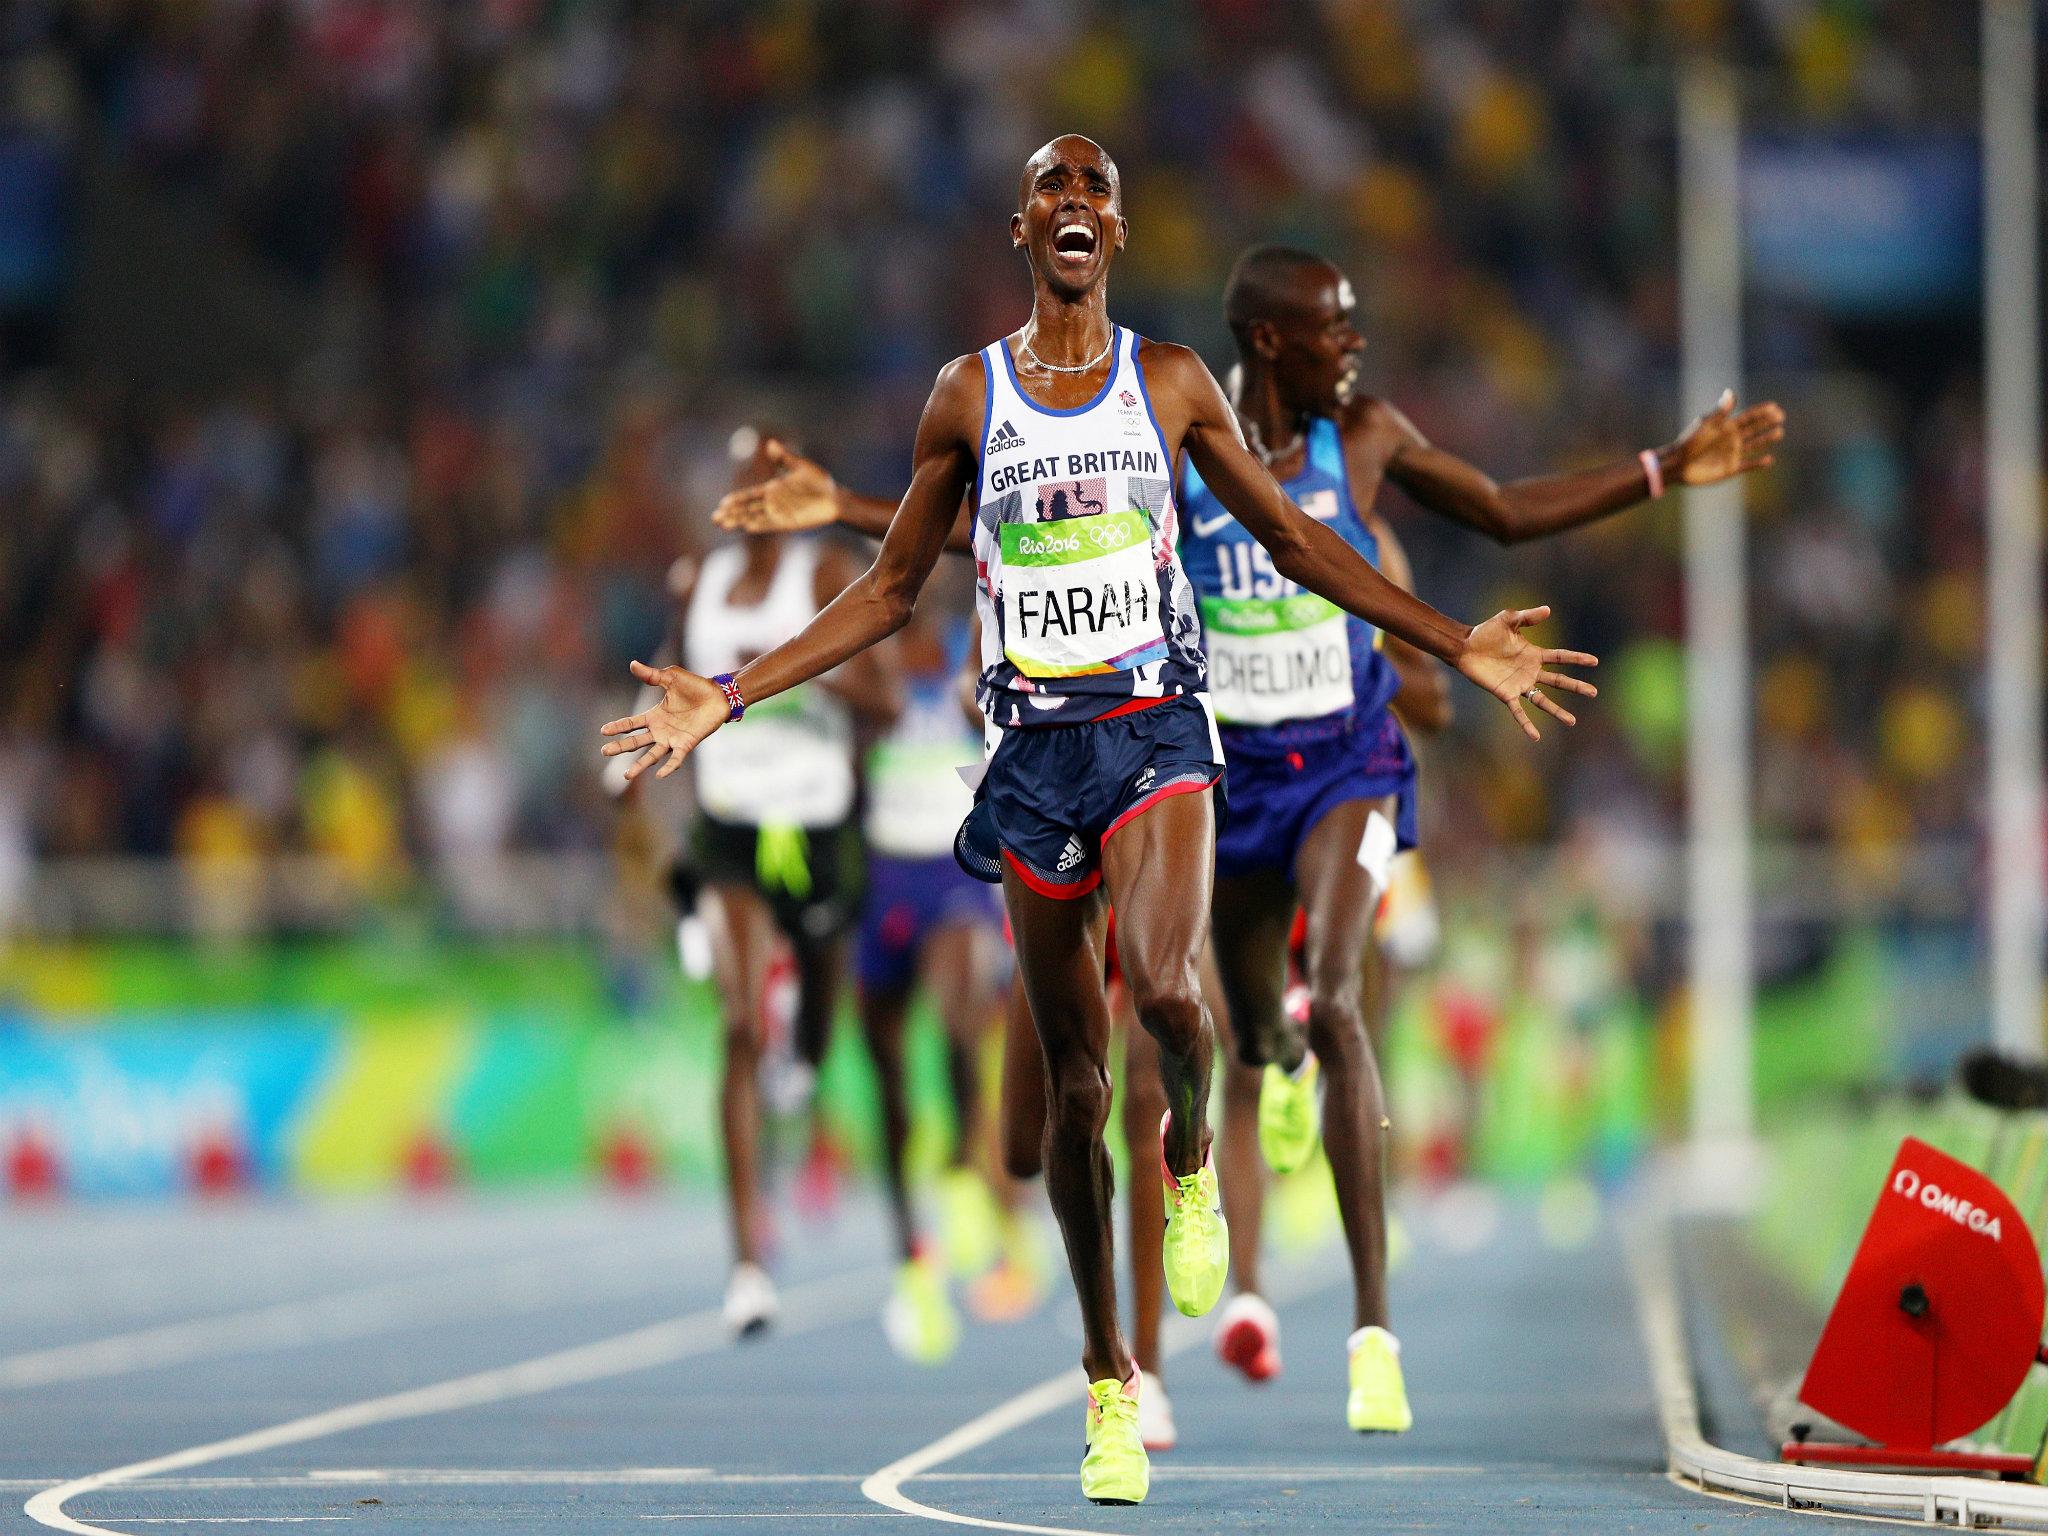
(790, 760)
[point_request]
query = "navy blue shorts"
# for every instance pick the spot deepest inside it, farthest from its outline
(909, 900)
(1277, 798)
(1057, 793)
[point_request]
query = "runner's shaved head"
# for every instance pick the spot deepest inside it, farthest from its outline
(1274, 282)
(1075, 150)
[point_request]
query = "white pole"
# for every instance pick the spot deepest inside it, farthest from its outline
(2012, 368)
(1717, 667)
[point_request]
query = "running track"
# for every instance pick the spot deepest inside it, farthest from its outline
(483, 1366)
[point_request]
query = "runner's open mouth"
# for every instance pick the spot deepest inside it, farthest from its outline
(1074, 240)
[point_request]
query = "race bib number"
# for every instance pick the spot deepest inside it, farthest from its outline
(1080, 595)
(1277, 659)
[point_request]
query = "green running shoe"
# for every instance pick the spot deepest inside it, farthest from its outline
(970, 1226)
(1290, 1114)
(918, 1317)
(1197, 1249)
(1379, 1397)
(1115, 1470)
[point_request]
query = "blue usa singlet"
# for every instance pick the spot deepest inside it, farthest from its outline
(1286, 667)
(1084, 607)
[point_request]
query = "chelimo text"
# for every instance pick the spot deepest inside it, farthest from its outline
(1296, 671)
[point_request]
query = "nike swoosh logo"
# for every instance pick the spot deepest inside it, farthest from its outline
(1206, 527)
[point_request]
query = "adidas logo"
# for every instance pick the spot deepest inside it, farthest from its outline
(1071, 855)
(1006, 437)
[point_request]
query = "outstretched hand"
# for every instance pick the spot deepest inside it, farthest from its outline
(1725, 442)
(799, 495)
(691, 708)
(1499, 660)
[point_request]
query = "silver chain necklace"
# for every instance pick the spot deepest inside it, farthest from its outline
(1257, 442)
(1032, 353)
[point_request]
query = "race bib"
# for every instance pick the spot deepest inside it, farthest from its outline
(1276, 659)
(1080, 595)
(916, 799)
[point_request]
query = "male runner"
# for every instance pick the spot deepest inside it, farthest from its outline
(776, 848)
(927, 920)
(1322, 781)
(1094, 676)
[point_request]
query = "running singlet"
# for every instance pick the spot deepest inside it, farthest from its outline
(916, 800)
(1286, 667)
(1084, 606)
(790, 762)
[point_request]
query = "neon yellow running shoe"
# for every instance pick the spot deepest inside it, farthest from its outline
(918, 1318)
(1115, 1470)
(1197, 1248)
(1290, 1114)
(969, 1223)
(1379, 1397)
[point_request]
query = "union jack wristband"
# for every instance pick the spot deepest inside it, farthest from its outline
(735, 705)
(1653, 471)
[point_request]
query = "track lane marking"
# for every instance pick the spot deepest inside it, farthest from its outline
(817, 1304)
(885, 1486)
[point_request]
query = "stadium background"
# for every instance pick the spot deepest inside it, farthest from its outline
(366, 364)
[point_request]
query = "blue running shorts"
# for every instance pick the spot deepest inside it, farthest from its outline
(1277, 798)
(909, 900)
(1057, 793)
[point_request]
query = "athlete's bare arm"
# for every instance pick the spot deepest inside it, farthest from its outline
(1424, 699)
(801, 493)
(1193, 412)
(871, 683)
(876, 604)
(1719, 445)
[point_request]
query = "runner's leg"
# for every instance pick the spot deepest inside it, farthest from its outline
(1157, 870)
(1252, 915)
(1062, 974)
(1144, 1196)
(743, 937)
(1342, 963)
(883, 1011)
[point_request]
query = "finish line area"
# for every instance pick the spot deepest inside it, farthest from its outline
(484, 1365)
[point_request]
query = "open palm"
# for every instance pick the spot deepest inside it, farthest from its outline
(1499, 660)
(799, 495)
(1726, 442)
(690, 708)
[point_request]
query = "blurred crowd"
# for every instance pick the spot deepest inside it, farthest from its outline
(548, 254)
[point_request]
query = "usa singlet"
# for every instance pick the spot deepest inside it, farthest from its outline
(1286, 667)
(1084, 607)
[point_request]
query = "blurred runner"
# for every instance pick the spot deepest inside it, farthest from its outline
(775, 846)
(928, 923)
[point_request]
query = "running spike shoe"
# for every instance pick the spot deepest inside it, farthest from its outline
(1290, 1114)
(1248, 1337)
(750, 1301)
(1197, 1247)
(1114, 1470)
(918, 1319)
(1379, 1397)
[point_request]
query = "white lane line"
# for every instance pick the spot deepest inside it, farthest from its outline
(885, 1487)
(673, 1477)
(816, 1305)
(224, 1519)
(480, 1291)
